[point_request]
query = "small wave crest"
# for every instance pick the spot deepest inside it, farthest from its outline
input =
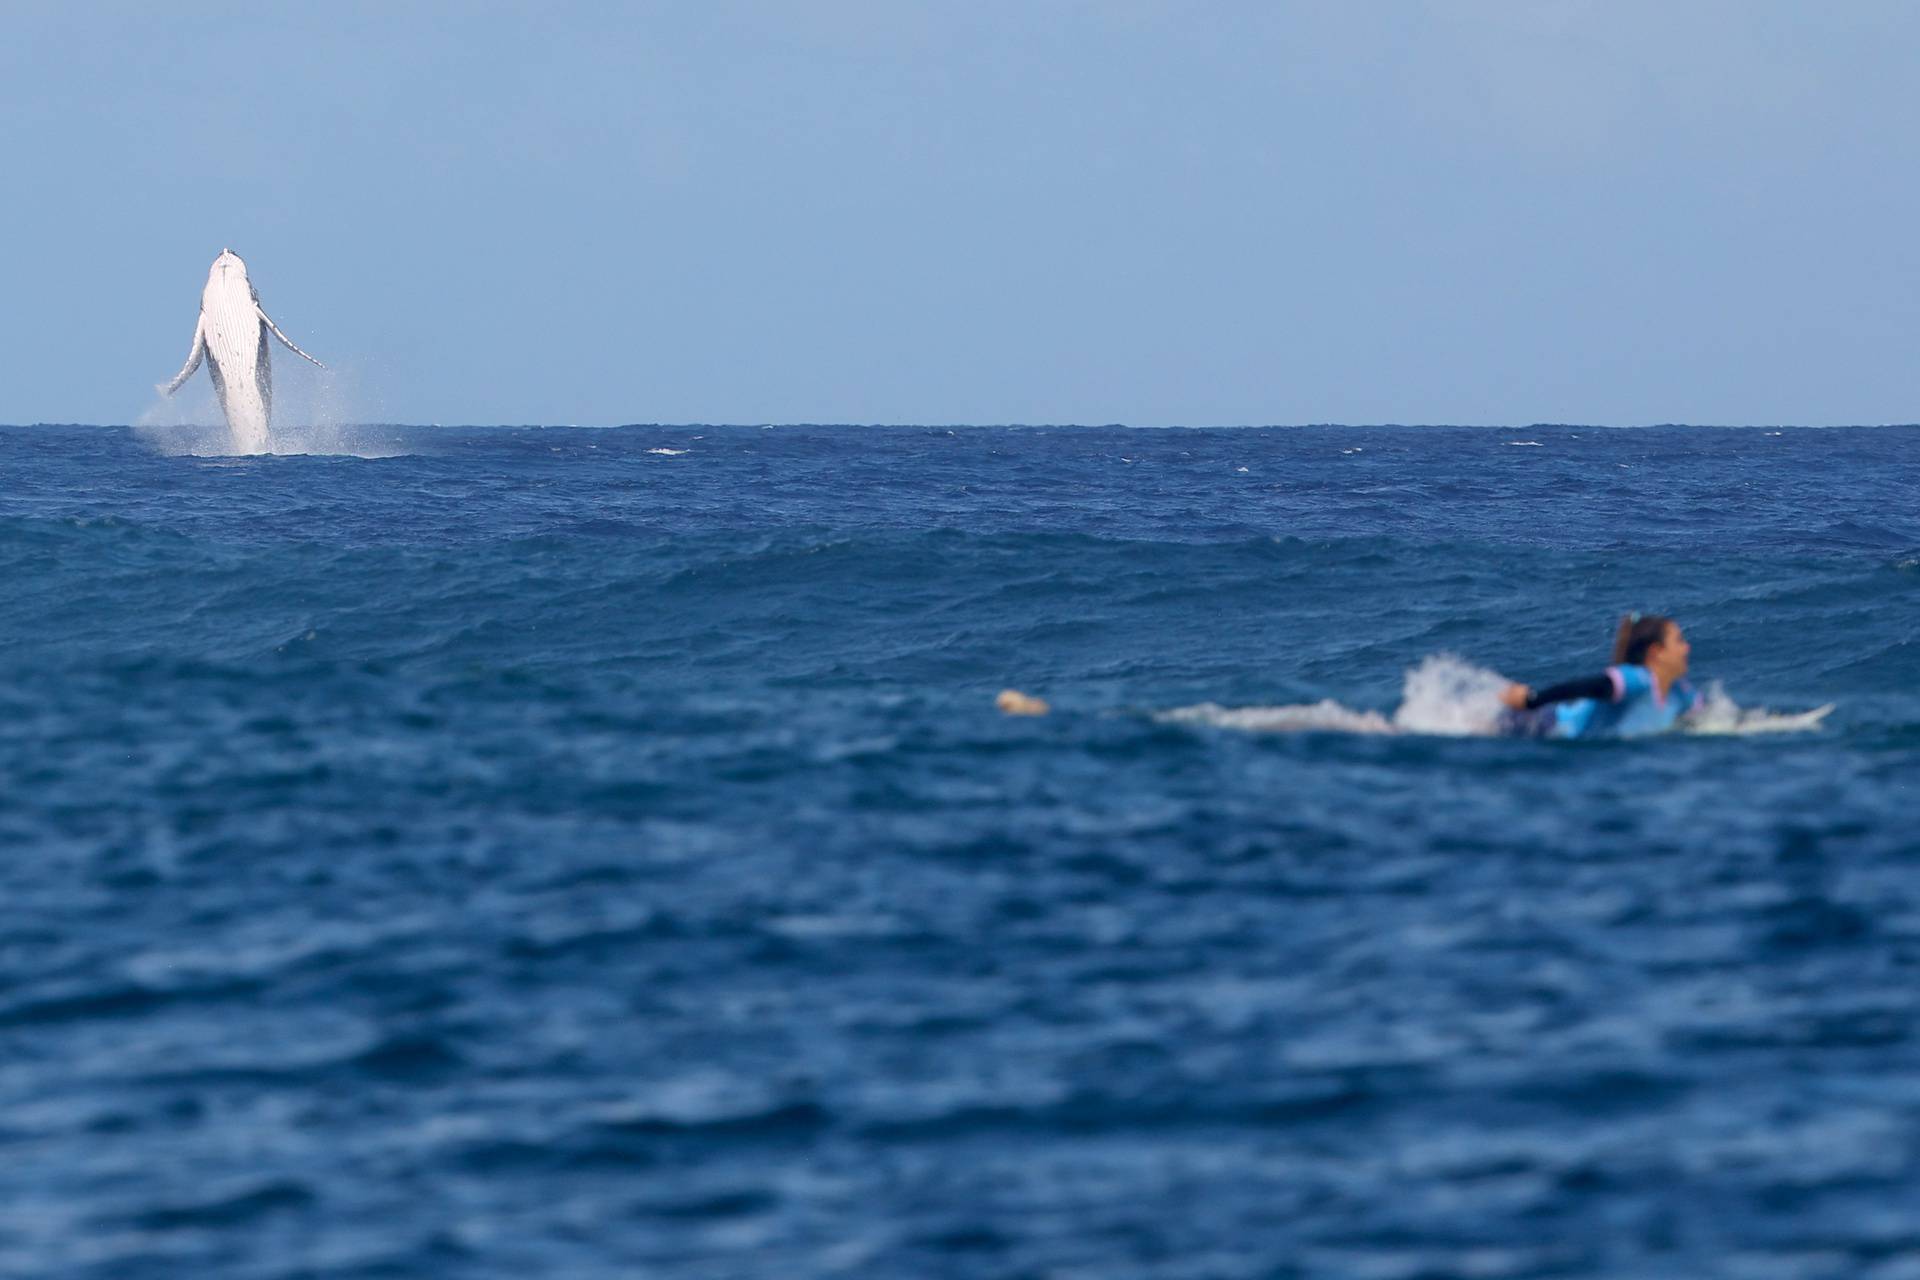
(1446, 696)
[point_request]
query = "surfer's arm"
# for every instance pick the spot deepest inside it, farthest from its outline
(288, 342)
(1601, 688)
(193, 357)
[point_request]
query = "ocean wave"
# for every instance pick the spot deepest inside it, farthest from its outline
(528, 855)
(1300, 1099)
(227, 1206)
(673, 1117)
(84, 1000)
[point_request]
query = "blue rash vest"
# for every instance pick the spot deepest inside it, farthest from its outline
(1636, 707)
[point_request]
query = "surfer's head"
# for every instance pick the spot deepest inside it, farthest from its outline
(1652, 641)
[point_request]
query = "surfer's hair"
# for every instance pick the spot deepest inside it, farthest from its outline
(1638, 633)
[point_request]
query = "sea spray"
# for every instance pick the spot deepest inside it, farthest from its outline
(316, 413)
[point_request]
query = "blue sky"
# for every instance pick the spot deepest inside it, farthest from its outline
(1044, 211)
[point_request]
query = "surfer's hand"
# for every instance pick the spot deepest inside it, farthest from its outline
(1515, 696)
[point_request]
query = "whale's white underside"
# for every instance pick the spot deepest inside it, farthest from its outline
(231, 337)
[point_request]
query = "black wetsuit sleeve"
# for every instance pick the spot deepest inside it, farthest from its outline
(1600, 688)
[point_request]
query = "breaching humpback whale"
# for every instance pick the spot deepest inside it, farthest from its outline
(232, 337)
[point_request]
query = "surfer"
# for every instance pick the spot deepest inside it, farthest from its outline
(1644, 691)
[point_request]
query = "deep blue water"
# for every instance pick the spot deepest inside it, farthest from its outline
(534, 855)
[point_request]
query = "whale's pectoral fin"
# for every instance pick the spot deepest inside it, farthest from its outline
(283, 337)
(193, 357)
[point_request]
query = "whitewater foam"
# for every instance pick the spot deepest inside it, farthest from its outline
(1325, 716)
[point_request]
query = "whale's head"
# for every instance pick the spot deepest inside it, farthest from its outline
(228, 263)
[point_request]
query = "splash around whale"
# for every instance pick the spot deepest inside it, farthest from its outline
(231, 336)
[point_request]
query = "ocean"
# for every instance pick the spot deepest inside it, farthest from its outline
(549, 851)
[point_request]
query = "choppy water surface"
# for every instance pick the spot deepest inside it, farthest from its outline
(594, 853)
